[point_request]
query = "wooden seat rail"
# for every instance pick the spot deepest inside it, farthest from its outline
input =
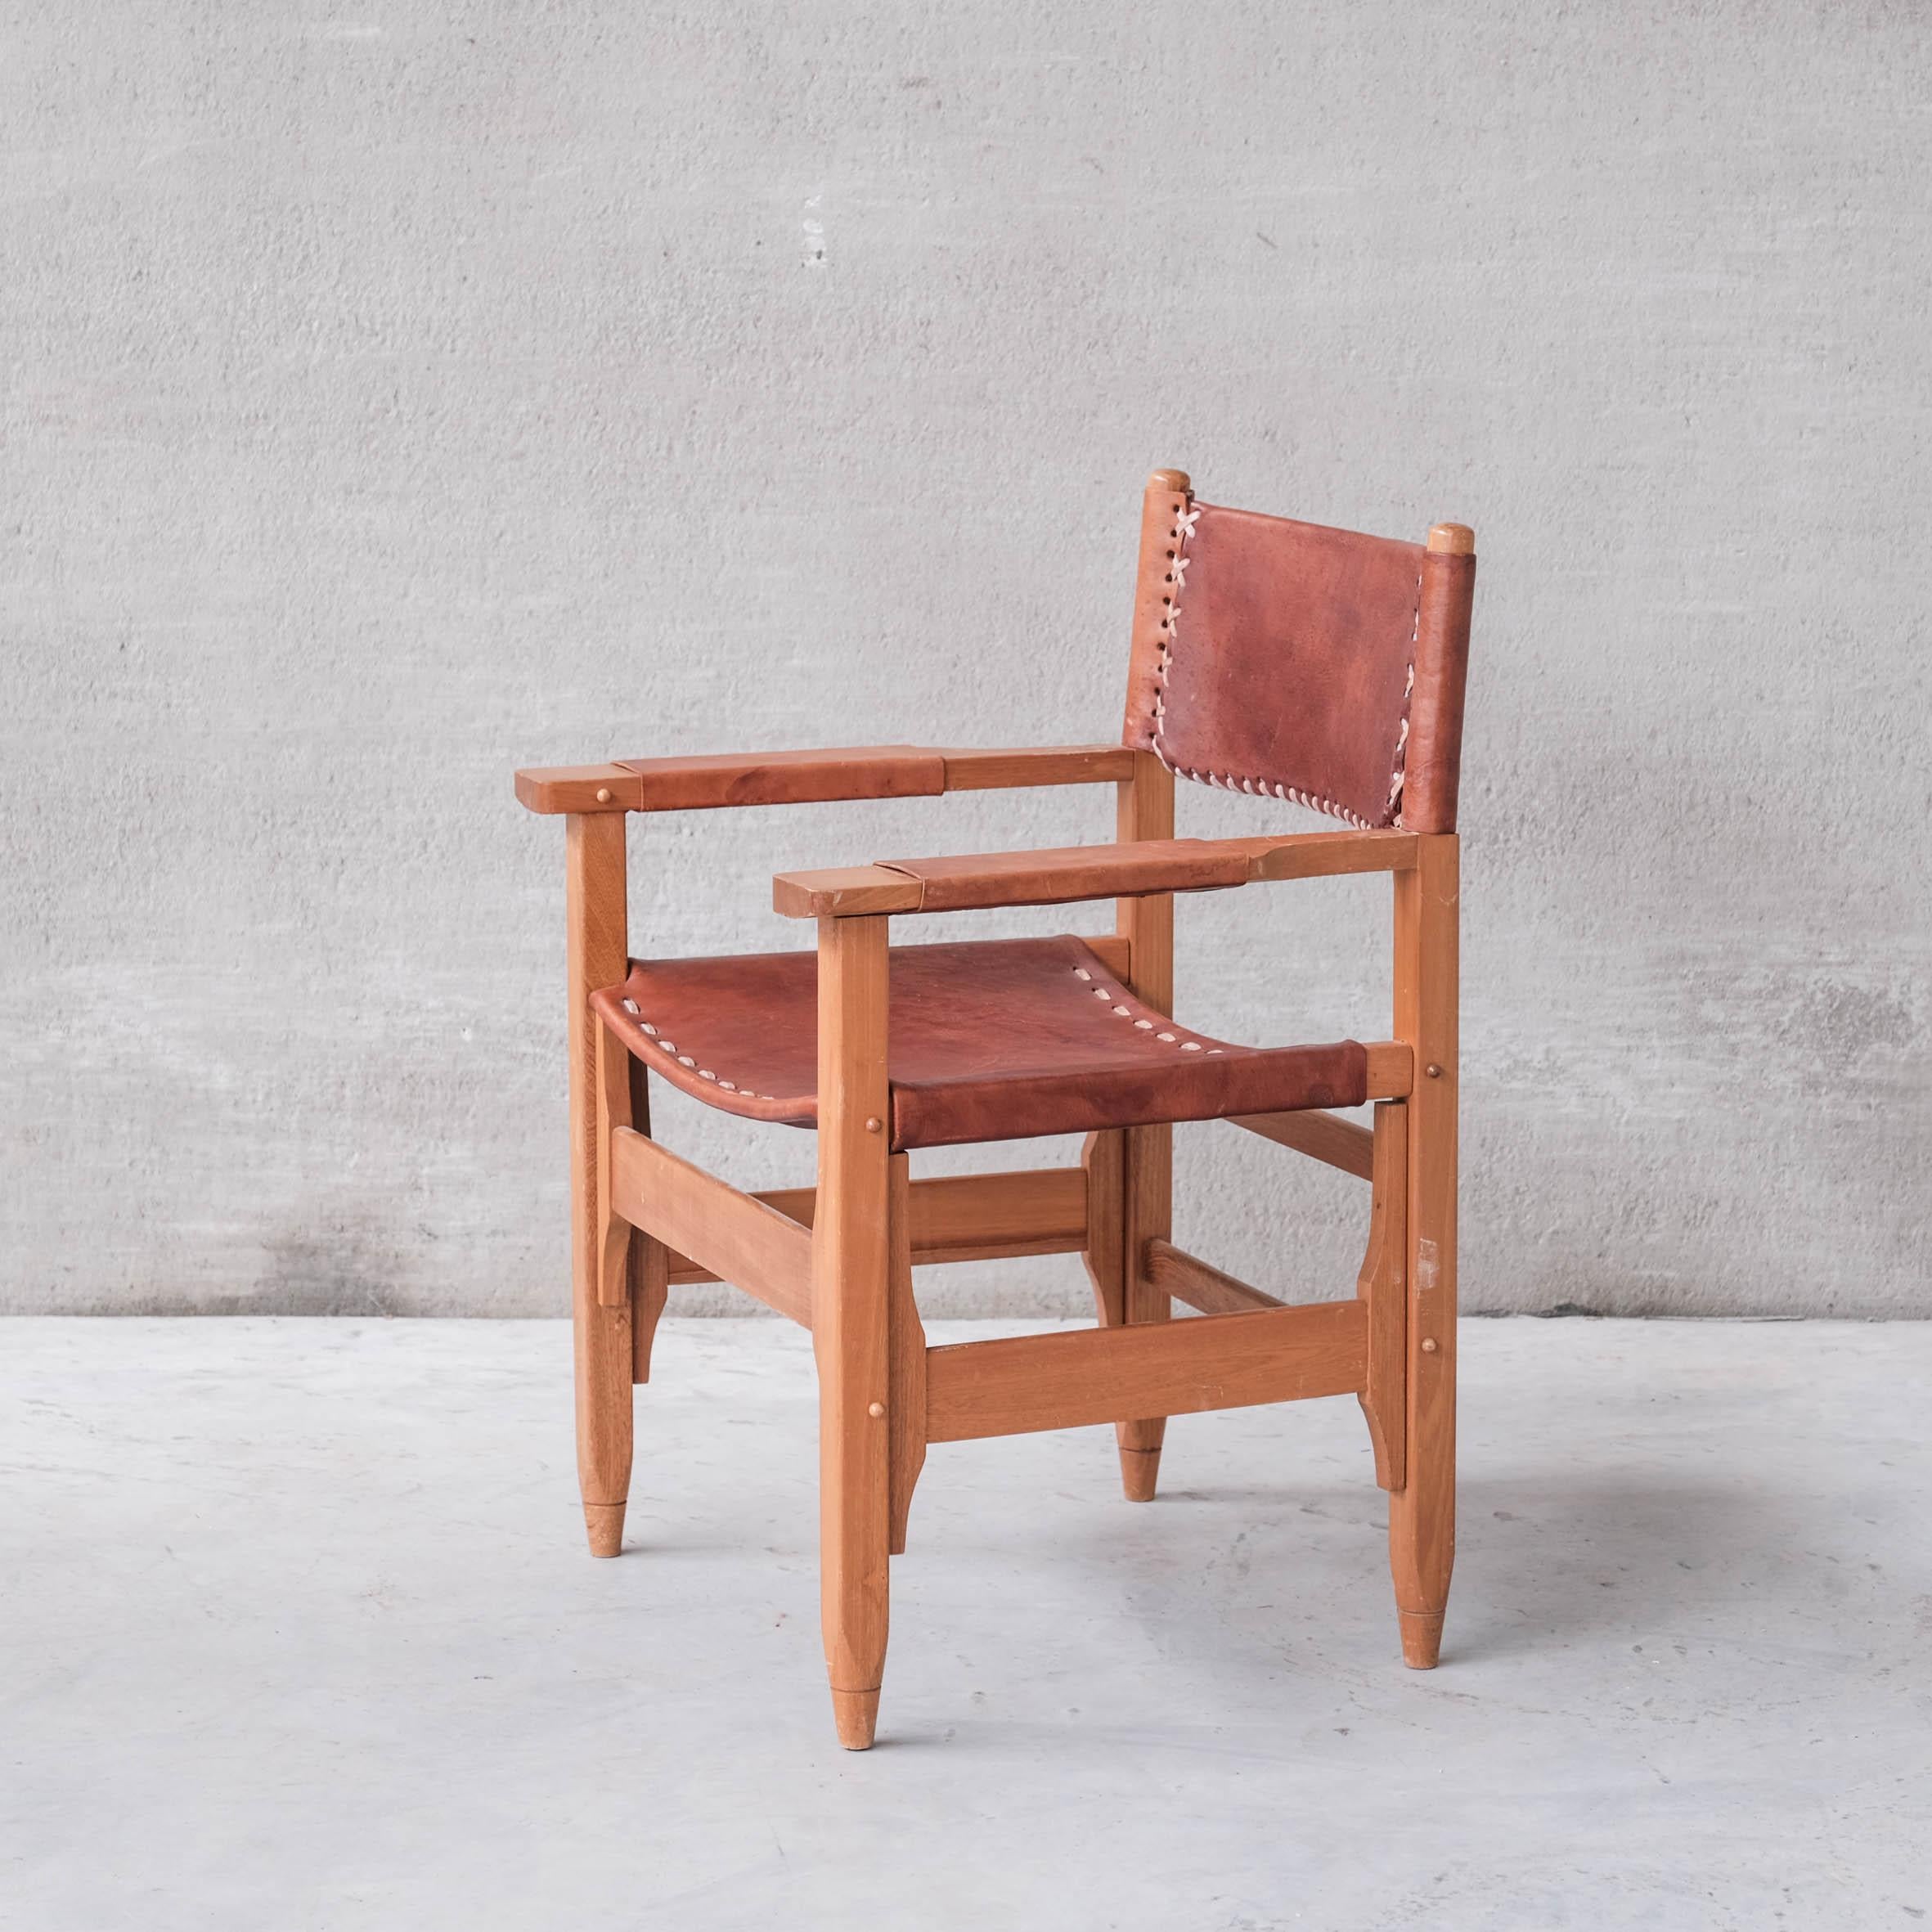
(1249, 1348)
(962, 1217)
(1082, 1376)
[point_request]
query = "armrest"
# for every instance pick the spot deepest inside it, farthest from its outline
(1130, 870)
(1040, 765)
(802, 778)
(736, 778)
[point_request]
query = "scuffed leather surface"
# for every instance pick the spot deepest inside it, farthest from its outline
(989, 1040)
(1289, 661)
(971, 881)
(1435, 756)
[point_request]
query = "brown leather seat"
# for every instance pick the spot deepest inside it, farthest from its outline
(990, 1041)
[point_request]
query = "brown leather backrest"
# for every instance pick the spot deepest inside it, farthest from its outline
(1300, 662)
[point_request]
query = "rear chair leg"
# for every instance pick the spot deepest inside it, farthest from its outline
(851, 1297)
(1127, 1196)
(1422, 1513)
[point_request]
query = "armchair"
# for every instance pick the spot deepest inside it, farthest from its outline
(1301, 663)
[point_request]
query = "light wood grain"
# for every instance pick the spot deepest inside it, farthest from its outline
(1391, 1069)
(1155, 865)
(1422, 1513)
(1144, 809)
(649, 1260)
(650, 1290)
(1328, 855)
(1038, 1210)
(1035, 765)
(722, 781)
(905, 1406)
(851, 1300)
(583, 788)
(1186, 1278)
(740, 1239)
(613, 1111)
(595, 956)
(709, 782)
(964, 1217)
(1084, 1376)
(844, 892)
(795, 1204)
(1103, 1166)
(1381, 1285)
(1323, 1136)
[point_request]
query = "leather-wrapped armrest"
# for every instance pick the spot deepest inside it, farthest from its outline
(737, 778)
(1040, 765)
(1129, 870)
(804, 778)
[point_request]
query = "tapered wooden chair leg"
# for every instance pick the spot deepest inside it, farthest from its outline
(1104, 1159)
(1147, 1158)
(1421, 1638)
(1149, 1165)
(597, 956)
(1422, 1513)
(856, 1713)
(1140, 1468)
(1144, 809)
(850, 1303)
(602, 1352)
(604, 1521)
(1422, 1545)
(1422, 1533)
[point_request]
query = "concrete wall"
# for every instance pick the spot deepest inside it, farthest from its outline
(395, 393)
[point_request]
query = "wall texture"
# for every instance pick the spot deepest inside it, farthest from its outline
(398, 392)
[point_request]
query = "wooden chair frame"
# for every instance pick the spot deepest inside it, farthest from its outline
(838, 1257)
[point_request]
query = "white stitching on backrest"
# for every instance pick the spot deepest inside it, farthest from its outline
(1184, 520)
(1399, 776)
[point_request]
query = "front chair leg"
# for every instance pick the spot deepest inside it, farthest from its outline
(1422, 1513)
(601, 1332)
(603, 1353)
(850, 1301)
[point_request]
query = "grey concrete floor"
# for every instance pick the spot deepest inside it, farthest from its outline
(297, 1631)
